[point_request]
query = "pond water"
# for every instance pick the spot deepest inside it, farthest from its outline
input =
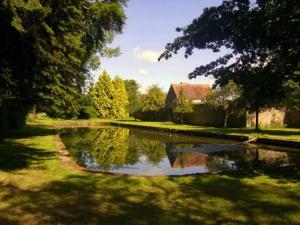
(150, 153)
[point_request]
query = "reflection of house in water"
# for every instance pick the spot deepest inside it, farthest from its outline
(190, 156)
(190, 159)
(215, 156)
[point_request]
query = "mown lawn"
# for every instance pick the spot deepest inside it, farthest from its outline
(36, 189)
(277, 133)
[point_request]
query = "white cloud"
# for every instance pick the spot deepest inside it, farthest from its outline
(147, 55)
(143, 72)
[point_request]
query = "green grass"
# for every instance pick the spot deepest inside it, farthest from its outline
(36, 189)
(276, 133)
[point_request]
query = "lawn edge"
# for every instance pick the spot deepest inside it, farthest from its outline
(242, 138)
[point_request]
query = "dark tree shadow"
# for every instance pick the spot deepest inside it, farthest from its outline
(15, 155)
(31, 131)
(83, 200)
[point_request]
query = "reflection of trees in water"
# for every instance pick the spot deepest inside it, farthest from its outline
(76, 139)
(154, 150)
(110, 147)
(116, 147)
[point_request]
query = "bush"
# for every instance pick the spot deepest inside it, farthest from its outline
(161, 115)
(91, 111)
(83, 114)
(87, 112)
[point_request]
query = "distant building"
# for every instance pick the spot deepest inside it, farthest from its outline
(193, 92)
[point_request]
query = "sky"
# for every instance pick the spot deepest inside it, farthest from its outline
(150, 25)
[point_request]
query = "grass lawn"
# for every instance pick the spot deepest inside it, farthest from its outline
(277, 133)
(36, 189)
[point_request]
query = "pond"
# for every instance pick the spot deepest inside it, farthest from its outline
(153, 153)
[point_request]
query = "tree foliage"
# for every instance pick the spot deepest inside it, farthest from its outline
(132, 88)
(102, 94)
(50, 45)
(110, 97)
(264, 40)
(182, 105)
(120, 99)
(292, 99)
(154, 99)
(226, 97)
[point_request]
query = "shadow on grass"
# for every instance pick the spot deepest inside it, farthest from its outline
(31, 131)
(15, 155)
(258, 203)
(80, 199)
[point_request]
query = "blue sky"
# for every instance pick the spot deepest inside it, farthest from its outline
(149, 26)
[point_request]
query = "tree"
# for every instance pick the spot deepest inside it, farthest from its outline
(292, 99)
(226, 97)
(110, 97)
(46, 45)
(182, 105)
(102, 95)
(263, 37)
(154, 99)
(61, 102)
(120, 99)
(132, 88)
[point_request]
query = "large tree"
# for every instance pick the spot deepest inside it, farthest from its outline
(102, 95)
(154, 99)
(50, 44)
(109, 97)
(132, 88)
(120, 99)
(226, 97)
(264, 40)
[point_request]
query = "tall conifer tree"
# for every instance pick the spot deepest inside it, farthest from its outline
(102, 95)
(120, 99)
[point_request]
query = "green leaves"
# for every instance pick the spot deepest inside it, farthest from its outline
(154, 99)
(110, 97)
(47, 48)
(17, 24)
(120, 99)
(132, 88)
(263, 37)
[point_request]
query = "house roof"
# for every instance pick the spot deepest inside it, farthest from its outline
(192, 91)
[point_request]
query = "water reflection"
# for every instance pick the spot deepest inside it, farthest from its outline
(145, 152)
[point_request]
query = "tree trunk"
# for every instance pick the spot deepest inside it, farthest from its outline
(181, 118)
(226, 119)
(256, 119)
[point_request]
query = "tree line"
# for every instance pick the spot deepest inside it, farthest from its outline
(117, 98)
(47, 49)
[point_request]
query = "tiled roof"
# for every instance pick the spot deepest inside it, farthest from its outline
(192, 91)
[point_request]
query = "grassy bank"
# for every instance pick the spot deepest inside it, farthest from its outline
(36, 189)
(276, 133)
